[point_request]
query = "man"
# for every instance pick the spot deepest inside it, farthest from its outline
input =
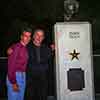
(39, 55)
(17, 63)
(37, 69)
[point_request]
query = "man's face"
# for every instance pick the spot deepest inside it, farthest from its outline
(38, 36)
(25, 37)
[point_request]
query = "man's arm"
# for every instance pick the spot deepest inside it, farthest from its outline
(12, 68)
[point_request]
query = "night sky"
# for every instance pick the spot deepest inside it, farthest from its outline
(46, 12)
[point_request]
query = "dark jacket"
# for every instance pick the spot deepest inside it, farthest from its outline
(38, 57)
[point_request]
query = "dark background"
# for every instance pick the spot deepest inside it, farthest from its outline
(15, 13)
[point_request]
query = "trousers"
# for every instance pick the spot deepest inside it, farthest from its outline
(37, 86)
(21, 81)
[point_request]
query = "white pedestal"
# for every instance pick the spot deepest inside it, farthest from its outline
(74, 71)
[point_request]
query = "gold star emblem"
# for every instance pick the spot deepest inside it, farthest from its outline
(74, 55)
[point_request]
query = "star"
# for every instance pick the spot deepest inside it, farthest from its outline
(74, 55)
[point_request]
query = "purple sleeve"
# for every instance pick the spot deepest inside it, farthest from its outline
(12, 65)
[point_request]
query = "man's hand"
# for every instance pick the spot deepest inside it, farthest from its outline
(15, 87)
(9, 51)
(52, 47)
